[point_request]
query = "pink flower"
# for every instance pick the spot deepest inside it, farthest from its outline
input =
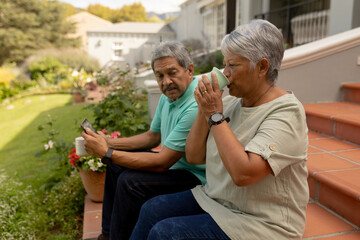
(115, 134)
(104, 131)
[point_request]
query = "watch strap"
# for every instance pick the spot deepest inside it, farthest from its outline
(107, 158)
(212, 122)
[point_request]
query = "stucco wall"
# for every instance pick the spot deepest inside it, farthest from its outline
(105, 51)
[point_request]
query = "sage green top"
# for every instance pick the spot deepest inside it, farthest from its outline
(274, 207)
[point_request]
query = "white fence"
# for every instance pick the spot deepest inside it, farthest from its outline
(310, 27)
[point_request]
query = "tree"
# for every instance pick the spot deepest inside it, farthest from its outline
(69, 9)
(102, 12)
(133, 13)
(128, 13)
(29, 25)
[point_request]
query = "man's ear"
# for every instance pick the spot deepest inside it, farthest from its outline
(263, 66)
(191, 69)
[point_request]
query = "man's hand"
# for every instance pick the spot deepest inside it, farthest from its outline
(95, 144)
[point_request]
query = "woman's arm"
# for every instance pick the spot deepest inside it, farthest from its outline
(195, 147)
(245, 168)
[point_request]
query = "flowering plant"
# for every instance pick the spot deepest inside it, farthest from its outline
(79, 79)
(86, 162)
(90, 162)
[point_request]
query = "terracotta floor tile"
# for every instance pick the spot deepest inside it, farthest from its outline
(325, 161)
(348, 236)
(332, 144)
(347, 180)
(353, 155)
(320, 124)
(92, 222)
(313, 135)
(314, 150)
(353, 119)
(352, 85)
(346, 131)
(91, 206)
(340, 105)
(320, 222)
(329, 112)
(92, 235)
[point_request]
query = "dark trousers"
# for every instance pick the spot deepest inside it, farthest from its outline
(126, 190)
(175, 216)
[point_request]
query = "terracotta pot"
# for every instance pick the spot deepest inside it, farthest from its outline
(78, 98)
(94, 184)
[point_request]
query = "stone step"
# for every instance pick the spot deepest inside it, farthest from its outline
(351, 92)
(334, 175)
(334, 183)
(338, 119)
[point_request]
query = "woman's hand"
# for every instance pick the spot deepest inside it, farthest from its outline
(208, 97)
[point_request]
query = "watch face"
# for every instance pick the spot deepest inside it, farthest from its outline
(216, 117)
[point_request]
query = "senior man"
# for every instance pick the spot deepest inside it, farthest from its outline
(134, 176)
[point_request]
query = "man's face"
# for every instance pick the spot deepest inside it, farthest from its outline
(172, 79)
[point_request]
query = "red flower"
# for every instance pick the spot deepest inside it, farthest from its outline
(72, 162)
(73, 157)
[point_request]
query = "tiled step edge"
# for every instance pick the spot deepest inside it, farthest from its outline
(351, 92)
(346, 126)
(92, 219)
(328, 191)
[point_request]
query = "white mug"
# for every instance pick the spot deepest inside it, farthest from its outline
(79, 145)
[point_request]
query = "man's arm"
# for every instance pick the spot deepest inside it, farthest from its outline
(157, 162)
(144, 141)
(148, 161)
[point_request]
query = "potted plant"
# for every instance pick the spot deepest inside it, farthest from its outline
(92, 173)
(79, 79)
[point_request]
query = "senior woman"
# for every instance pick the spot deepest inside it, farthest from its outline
(255, 164)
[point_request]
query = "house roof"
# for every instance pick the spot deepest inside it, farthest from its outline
(85, 21)
(88, 18)
(135, 27)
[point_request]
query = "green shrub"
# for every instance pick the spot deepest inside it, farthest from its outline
(204, 63)
(50, 69)
(122, 110)
(78, 59)
(72, 57)
(15, 210)
(61, 210)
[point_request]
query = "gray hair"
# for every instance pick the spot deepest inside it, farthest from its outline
(173, 49)
(254, 41)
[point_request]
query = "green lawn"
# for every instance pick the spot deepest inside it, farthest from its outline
(21, 140)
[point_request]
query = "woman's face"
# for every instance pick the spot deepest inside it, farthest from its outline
(243, 79)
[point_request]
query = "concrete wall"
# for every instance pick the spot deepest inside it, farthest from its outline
(189, 24)
(134, 46)
(344, 15)
(321, 79)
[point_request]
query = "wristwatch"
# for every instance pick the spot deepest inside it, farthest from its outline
(217, 118)
(107, 158)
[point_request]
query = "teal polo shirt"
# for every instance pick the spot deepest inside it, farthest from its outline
(174, 120)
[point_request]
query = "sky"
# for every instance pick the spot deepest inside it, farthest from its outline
(158, 6)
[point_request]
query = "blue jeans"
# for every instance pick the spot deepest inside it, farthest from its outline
(126, 190)
(174, 217)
